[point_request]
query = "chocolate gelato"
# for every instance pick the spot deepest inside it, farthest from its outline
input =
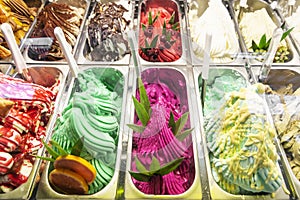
(56, 14)
(106, 28)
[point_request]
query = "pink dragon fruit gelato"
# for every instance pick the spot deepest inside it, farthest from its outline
(158, 140)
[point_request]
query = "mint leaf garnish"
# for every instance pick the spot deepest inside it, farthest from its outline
(145, 175)
(53, 153)
(164, 28)
(183, 134)
(150, 22)
(154, 166)
(141, 112)
(140, 176)
(143, 95)
(154, 42)
(169, 167)
(136, 128)
(77, 148)
(144, 27)
(147, 44)
(172, 123)
(172, 19)
(285, 34)
(262, 42)
(139, 166)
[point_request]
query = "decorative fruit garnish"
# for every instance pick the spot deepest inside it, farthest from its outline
(72, 174)
(282, 54)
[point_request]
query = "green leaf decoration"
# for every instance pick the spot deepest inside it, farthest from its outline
(172, 122)
(150, 22)
(144, 50)
(169, 167)
(53, 153)
(155, 18)
(140, 167)
(147, 44)
(154, 42)
(143, 95)
(172, 42)
(141, 112)
(44, 158)
(140, 176)
(77, 148)
(144, 27)
(136, 128)
(172, 19)
(154, 166)
(183, 134)
(164, 31)
(285, 34)
(254, 46)
(175, 26)
(62, 152)
(168, 36)
(262, 42)
(145, 176)
(268, 43)
(180, 123)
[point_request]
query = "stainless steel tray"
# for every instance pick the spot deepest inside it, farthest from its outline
(25, 190)
(180, 85)
(281, 77)
(43, 43)
(254, 5)
(196, 9)
(172, 5)
(38, 4)
(45, 191)
(216, 191)
(83, 48)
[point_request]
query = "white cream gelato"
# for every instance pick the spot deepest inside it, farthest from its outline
(254, 25)
(294, 21)
(216, 21)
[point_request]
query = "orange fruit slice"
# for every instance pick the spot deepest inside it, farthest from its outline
(68, 181)
(78, 165)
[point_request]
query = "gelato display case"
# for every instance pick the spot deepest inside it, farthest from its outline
(135, 122)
